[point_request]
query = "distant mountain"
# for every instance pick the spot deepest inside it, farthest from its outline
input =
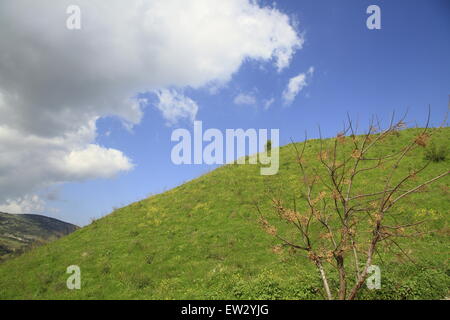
(19, 232)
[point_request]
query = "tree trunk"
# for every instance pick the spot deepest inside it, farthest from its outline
(342, 280)
(324, 279)
(362, 276)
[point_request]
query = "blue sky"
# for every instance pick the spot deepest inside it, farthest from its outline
(364, 72)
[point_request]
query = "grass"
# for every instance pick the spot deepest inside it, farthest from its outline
(201, 240)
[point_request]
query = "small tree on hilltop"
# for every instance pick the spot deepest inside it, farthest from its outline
(342, 221)
(268, 146)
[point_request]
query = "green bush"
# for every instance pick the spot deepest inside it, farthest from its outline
(436, 153)
(269, 145)
(268, 286)
(422, 284)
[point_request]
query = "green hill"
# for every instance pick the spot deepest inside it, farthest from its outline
(19, 232)
(201, 240)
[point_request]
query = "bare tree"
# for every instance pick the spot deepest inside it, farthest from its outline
(341, 223)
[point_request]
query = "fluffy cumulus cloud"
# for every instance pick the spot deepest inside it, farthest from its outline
(295, 85)
(29, 161)
(55, 83)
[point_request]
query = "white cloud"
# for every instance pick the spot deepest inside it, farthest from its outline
(29, 162)
(89, 163)
(25, 204)
(55, 83)
(268, 103)
(295, 85)
(176, 106)
(245, 99)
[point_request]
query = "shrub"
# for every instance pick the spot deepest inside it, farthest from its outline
(269, 145)
(106, 269)
(149, 258)
(267, 286)
(140, 281)
(436, 153)
(422, 284)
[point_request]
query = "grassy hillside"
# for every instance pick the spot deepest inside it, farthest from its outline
(19, 232)
(202, 240)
